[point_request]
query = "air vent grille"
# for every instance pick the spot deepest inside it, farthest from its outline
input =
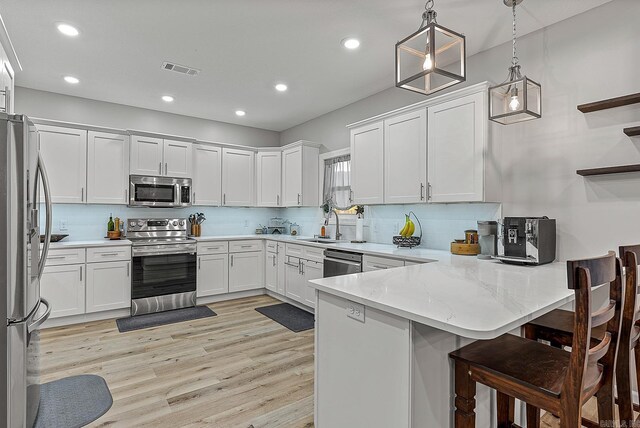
(182, 69)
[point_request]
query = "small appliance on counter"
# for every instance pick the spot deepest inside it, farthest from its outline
(488, 239)
(527, 240)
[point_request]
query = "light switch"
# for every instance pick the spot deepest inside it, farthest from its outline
(355, 311)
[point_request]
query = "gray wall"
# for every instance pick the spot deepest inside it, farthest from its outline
(49, 105)
(586, 58)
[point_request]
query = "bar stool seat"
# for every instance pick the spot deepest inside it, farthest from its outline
(538, 366)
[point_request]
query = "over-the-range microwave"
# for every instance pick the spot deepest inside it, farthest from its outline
(159, 192)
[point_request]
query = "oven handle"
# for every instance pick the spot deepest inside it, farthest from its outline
(161, 253)
(346, 262)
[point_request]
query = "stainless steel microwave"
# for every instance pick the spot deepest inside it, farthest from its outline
(159, 192)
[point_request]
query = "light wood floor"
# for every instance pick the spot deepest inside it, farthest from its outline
(238, 369)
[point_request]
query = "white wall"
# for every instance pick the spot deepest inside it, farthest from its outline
(49, 105)
(589, 57)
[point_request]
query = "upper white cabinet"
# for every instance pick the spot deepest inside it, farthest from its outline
(207, 175)
(64, 151)
(457, 136)
(6, 83)
(161, 157)
(268, 178)
(107, 168)
(367, 164)
(238, 177)
(405, 158)
(300, 176)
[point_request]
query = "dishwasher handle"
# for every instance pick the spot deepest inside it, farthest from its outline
(346, 262)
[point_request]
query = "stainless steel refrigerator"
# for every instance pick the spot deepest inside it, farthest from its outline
(22, 174)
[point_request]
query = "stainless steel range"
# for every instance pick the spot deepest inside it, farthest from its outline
(164, 265)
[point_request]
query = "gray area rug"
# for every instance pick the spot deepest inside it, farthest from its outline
(162, 318)
(295, 319)
(73, 402)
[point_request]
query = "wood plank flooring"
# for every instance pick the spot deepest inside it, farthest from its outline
(238, 369)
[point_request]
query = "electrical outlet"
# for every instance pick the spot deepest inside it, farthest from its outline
(246, 223)
(355, 311)
(63, 226)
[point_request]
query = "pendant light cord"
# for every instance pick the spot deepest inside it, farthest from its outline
(514, 58)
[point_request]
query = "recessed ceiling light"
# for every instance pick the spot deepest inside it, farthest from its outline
(350, 43)
(167, 98)
(281, 87)
(240, 113)
(71, 79)
(68, 30)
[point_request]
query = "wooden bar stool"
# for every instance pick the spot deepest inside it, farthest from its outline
(557, 327)
(543, 376)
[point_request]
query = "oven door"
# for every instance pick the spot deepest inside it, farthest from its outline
(153, 192)
(162, 275)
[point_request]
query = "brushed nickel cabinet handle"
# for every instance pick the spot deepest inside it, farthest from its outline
(199, 262)
(166, 168)
(224, 199)
(298, 198)
(82, 194)
(160, 168)
(128, 269)
(231, 260)
(80, 273)
(421, 191)
(429, 191)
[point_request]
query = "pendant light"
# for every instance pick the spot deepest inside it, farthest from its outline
(518, 98)
(431, 59)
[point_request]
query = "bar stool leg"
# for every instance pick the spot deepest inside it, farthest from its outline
(506, 410)
(623, 384)
(570, 413)
(533, 416)
(606, 405)
(465, 388)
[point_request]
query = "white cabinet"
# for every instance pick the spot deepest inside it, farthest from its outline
(64, 151)
(246, 271)
(63, 287)
(275, 267)
(271, 272)
(457, 134)
(371, 263)
(213, 274)
(300, 270)
(207, 175)
(161, 157)
(405, 158)
(281, 284)
(107, 168)
(310, 270)
(295, 281)
(300, 176)
(269, 179)
(108, 286)
(238, 177)
(367, 164)
(6, 83)
(146, 155)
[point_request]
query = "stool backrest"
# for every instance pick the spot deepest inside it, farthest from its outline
(583, 275)
(630, 254)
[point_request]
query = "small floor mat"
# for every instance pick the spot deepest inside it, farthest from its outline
(162, 318)
(295, 319)
(73, 402)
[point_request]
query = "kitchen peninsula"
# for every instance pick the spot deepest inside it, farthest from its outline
(383, 338)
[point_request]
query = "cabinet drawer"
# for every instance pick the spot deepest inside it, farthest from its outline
(219, 247)
(314, 253)
(242, 246)
(108, 254)
(272, 246)
(379, 263)
(64, 256)
(294, 250)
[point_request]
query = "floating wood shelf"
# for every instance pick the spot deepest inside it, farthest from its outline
(610, 103)
(609, 170)
(632, 132)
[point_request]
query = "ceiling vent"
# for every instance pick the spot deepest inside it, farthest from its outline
(182, 69)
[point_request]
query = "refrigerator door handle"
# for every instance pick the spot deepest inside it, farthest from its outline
(38, 322)
(47, 199)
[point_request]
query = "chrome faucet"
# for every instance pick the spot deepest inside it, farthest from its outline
(338, 234)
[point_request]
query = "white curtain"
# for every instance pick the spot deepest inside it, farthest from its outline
(337, 182)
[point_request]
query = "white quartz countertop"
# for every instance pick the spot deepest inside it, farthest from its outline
(477, 299)
(68, 243)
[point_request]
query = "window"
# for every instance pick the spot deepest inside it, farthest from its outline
(337, 183)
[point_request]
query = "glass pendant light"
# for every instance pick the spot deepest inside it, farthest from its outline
(431, 59)
(518, 98)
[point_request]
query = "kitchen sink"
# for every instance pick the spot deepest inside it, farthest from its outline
(327, 240)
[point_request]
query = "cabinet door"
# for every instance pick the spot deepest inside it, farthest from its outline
(271, 272)
(405, 158)
(457, 131)
(6, 83)
(292, 177)
(238, 177)
(269, 179)
(108, 286)
(64, 151)
(295, 280)
(178, 158)
(107, 168)
(367, 164)
(207, 175)
(246, 271)
(213, 274)
(63, 287)
(281, 270)
(146, 156)
(311, 270)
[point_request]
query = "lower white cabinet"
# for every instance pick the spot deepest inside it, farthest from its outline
(213, 274)
(108, 286)
(63, 286)
(282, 279)
(298, 274)
(246, 271)
(310, 270)
(275, 269)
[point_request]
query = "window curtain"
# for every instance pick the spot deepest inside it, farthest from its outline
(337, 182)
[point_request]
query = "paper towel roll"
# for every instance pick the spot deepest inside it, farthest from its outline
(359, 229)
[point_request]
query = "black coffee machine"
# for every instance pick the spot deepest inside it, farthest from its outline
(527, 240)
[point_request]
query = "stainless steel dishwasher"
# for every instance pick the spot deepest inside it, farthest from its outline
(338, 262)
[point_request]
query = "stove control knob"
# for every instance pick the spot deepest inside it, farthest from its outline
(132, 224)
(175, 222)
(140, 223)
(181, 222)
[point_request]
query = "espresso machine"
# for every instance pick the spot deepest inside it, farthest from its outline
(527, 240)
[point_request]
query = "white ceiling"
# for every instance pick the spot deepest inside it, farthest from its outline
(243, 48)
